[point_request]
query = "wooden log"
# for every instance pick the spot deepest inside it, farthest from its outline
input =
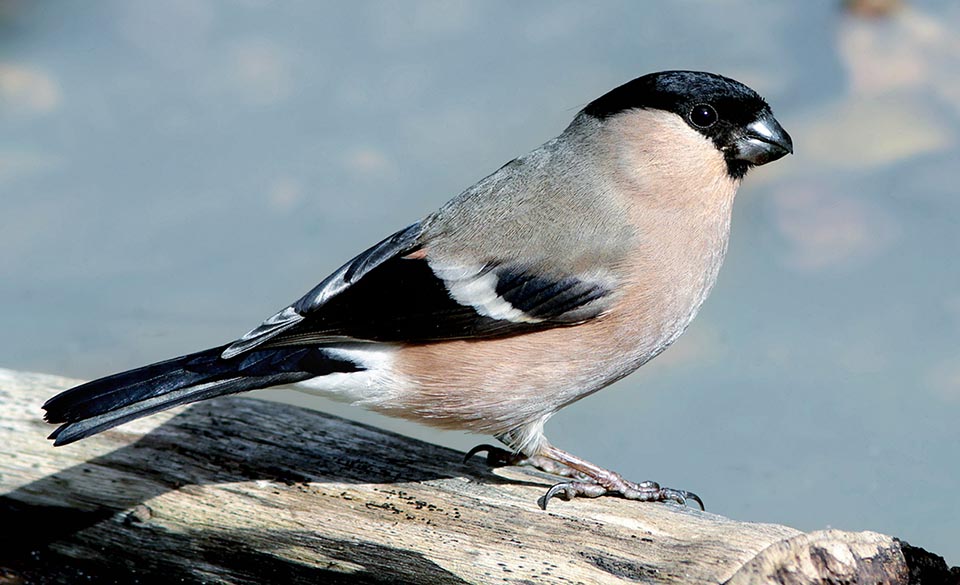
(239, 490)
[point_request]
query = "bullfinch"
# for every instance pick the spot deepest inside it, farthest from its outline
(560, 273)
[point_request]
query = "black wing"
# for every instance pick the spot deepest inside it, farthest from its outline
(391, 293)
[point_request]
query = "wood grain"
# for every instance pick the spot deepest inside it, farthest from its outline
(239, 490)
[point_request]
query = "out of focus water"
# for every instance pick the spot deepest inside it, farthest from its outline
(173, 172)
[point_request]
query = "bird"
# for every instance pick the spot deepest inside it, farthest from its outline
(558, 274)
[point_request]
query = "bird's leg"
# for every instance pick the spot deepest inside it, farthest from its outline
(603, 482)
(499, 457)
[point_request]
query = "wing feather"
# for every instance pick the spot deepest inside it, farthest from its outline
(395, 292)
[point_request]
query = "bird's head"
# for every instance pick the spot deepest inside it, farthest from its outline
(732, 116)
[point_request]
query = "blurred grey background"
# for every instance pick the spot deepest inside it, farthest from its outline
(173, 172)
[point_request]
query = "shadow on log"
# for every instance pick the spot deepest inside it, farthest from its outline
(239, 490)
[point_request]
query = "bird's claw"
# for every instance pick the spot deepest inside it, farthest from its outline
(648, 491)
(571, 489)
(681, 497)
(496, 457)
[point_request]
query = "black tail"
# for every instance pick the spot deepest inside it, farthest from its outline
(105, 403)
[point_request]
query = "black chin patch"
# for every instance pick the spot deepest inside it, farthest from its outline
(737, 168)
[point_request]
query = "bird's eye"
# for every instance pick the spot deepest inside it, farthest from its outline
(703, 115)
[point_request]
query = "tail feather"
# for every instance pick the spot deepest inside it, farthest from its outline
(107, 402)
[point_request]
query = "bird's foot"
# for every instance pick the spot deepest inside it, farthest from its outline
(498, 457)
(588, 480)
(603, 482)
(647, 491)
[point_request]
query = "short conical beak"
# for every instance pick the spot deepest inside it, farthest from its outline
(765, 141)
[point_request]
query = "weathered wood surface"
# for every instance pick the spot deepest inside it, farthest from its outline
(239, 490)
